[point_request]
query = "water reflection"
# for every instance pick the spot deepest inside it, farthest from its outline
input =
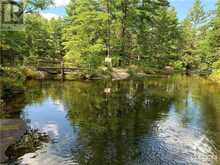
(173, 120)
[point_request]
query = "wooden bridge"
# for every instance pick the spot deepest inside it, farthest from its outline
(55, 66)
(57, 70)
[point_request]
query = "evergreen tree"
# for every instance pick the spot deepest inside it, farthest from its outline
(85, 33)
(193, 26)
(55, 31)
(197, 15)
(215, 35)
(37, 36)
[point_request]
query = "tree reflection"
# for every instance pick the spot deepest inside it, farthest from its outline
(124, 122)
(112, 124)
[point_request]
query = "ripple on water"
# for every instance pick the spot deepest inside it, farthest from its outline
(171, 141)
(45, 157)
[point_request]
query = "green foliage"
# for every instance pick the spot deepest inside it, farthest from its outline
(197, 15)
(84, 36)
(31, 6)
(21, 74)
(12, 73)
(55, 30)
(216, 65)
(93, 62)
(131, 32)
(34, 40)
(143, 33)
(33, 74)
(214, 35)
(37, 36)
(215, 76)
(192, 29)
(178, 65)
(200, 38)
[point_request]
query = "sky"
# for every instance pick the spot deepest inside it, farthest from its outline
(181, 6)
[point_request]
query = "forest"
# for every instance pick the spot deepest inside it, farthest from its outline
(108, 37)
(146, 34)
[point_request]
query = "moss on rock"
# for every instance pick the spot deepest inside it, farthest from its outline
(30, 142)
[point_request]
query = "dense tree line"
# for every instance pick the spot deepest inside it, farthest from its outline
(132, 31)
(140, 32)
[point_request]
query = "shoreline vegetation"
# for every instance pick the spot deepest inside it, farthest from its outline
(21, 74)
(12, 79)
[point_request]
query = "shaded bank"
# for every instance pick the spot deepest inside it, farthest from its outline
(215, 76)
(19, 75)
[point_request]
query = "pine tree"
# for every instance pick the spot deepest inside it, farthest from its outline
(215, 35)
(193, 26)
(85, 34)
(197, 15)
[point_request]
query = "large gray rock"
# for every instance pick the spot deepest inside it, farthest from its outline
(10, 131)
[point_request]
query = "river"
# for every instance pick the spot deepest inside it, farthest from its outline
(156, 120)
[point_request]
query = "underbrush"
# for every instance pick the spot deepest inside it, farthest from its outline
(135, 70)
(12, 73)
(21, 73)
(215, 76)
(31, 73)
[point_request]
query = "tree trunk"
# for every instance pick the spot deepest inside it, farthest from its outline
(62, 69)
(108, 29)
(124, 29)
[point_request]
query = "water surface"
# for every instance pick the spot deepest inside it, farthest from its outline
(166, 120)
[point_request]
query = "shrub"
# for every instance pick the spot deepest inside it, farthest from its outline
(215, 76)
(178, 65)
(12, 73)
(216, 65)
(33, 74)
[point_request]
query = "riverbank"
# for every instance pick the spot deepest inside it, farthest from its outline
(215, 76)
(115, 73)
(22, 74)
(12, 79)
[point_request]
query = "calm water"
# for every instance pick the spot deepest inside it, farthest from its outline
(169, 120)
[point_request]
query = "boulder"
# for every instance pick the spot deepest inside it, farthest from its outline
(169, 69)
(120, 74)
